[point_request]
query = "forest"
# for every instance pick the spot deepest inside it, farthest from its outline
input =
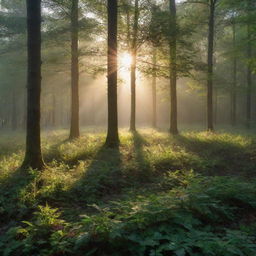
(127, 127)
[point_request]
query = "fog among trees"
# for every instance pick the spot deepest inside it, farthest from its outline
(127, 127)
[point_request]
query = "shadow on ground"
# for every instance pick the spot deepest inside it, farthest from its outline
(106, 175)
(17, 196)
(221, 157)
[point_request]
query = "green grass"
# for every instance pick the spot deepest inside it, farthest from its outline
(192, 194)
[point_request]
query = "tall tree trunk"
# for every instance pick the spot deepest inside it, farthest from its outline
(128, 21)
(210, 66)
(234, 84)
(33, 156)
(249, 76)
(14, 111)
(134, 66)
(112, 135)
(215, 96)
(173, 68)
(154, 110)
(74, 129)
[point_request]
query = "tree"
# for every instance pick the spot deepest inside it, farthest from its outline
(155, 38)
(154, 96)
(74, 128)
(112, 134)
(134, 66)
(33, 155)
(67, 23)
(211, 8)
(211, 24)
(234, 83)
(12, 41)
(249, 68)
(173, 72)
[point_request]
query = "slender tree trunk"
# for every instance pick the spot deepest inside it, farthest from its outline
(33, 156)
(128, 21)
(173, 69)
(74, 129)
(154, 110)
(210, 67)
(134, 66)
(249, 78)
(234, 84)
(112, 135)
(133, 93)
(14, 111)
(215, 96)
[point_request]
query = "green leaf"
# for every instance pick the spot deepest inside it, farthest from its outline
(180, 252)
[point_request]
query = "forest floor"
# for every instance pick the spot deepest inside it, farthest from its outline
(191, 194)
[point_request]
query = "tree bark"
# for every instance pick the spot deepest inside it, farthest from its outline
(154, 97)
(112, 135)
(249, 73)
(33, 155)
(234, 84)
(134, 66)
(210, 67)
(215, 105)
(74, 129)
(128, 21)
(173, 68)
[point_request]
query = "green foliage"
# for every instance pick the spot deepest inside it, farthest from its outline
(153, 196)
(186, 221)
(45, 235)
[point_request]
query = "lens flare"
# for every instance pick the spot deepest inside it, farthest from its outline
(125, 60)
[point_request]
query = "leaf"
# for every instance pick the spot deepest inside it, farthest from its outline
(180, 252)
(28, 223)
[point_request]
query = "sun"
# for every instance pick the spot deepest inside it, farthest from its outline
(125, 60)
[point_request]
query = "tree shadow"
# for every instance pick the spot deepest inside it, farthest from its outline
(142, 172)
(54, 153)
(221, 157)
(206, 153)
(108, 178)
(17, 196)
(102, 178)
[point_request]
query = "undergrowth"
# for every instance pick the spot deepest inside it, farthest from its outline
(192, 194)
